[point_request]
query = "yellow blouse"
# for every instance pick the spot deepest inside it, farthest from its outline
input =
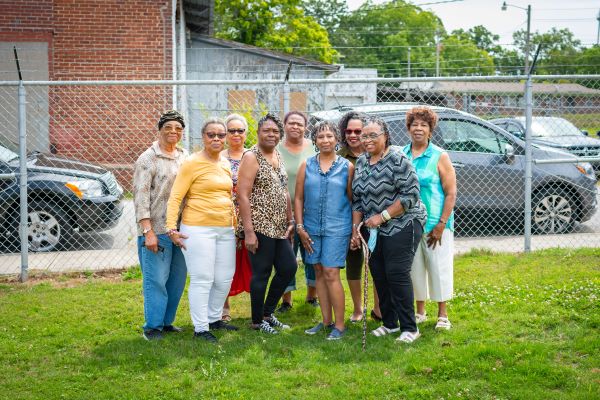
(206, 187)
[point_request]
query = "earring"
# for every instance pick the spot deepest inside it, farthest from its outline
(337, 147)
(316, 148)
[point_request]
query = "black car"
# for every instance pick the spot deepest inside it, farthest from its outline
(64, 196)
(554, 132)
(490, 165)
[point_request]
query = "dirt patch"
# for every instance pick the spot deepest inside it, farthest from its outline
(65, 279)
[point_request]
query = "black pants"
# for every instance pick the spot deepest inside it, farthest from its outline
(390, 265)
(271, 253)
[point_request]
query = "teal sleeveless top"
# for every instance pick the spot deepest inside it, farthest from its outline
(432, 193)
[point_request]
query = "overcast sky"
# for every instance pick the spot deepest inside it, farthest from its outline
(577, 15)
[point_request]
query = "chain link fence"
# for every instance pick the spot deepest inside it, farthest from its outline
(83, 138)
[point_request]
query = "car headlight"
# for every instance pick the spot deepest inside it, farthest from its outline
(86, 188)
(586, 169)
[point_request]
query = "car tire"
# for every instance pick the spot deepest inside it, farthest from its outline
(553, 211)
(48, 227)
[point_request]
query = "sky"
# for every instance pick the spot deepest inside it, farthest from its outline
(577, 15)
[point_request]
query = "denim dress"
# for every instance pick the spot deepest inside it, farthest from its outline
(327, 212)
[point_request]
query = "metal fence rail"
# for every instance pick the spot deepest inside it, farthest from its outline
(82, 139)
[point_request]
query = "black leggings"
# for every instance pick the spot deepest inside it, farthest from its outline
(271, 253)
(390, 264)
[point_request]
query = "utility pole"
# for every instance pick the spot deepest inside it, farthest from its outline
(505, 5)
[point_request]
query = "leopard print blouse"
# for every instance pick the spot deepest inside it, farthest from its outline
(268, 200)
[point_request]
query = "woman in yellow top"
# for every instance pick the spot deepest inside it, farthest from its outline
(207, 236)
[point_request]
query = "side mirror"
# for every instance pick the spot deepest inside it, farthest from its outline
(509, 153)
(585, 133)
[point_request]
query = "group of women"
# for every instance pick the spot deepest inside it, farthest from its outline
(402, 199)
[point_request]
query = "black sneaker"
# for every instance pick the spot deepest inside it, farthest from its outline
(152, 334)
(313, 302)
(220, 324)
(206, 335)
(172, 328)
(266, 328)
(284, 307)
(275, 323)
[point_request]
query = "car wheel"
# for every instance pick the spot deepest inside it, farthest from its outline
(48, 227)
(553, 211)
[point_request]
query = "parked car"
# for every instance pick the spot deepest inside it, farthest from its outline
(64, 196)
(554, 132)
(490, 166)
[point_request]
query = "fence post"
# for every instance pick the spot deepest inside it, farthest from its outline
(528, 161)
(23, 182)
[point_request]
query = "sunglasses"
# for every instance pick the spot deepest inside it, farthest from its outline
(236, 131)
(211, 135)
(357, 132)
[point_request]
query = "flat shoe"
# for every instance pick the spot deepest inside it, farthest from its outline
(375, 316)
(443, 323)
(420, 318)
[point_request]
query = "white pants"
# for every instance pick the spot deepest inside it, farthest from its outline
(433, 269)
(210, 260)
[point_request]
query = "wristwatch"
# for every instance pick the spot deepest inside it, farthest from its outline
(146, 230)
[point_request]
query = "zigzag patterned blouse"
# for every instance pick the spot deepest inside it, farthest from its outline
(376, 187)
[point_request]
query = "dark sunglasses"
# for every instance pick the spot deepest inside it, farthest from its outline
(236, 131)
(351, 131)
(211, 135)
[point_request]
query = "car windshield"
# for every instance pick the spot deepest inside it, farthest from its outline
(6, 153)
(553, 127)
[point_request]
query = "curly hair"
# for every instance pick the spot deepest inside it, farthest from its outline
(275, 119)
(324, 126)
(424, 113)
(346, 118)
(373, 119)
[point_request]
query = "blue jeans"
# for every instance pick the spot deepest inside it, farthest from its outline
(309, 269)
(164, 274)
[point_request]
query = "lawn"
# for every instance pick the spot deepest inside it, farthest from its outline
(525, 326)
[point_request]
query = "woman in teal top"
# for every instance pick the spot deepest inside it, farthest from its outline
(432, 270)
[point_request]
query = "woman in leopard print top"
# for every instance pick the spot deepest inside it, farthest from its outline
(266, 219)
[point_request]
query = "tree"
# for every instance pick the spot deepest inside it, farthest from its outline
(463, 57)
(277, 24)
(559, 50)
(481, 37)
(328, 13)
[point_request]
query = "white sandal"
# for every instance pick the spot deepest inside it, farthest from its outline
(420, 318)
(408, 337)
(382, 331)
(443, 323)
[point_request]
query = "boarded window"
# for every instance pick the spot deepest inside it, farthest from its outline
(241, 100)
(298, 102)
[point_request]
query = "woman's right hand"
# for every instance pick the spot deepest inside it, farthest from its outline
(355, 242)
(251, 241)
(177, 239)
(305, 240)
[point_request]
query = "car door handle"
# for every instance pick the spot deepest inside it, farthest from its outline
(457, 165)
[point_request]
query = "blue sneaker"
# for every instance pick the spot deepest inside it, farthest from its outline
(318, 328)
(336, 334)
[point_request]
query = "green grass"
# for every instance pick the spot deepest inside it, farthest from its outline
(525, 326)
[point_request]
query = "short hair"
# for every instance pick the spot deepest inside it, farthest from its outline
(345, 120)
(372, 119)
(290, 113)
(236, 117)
(213, 120)
(275, 119)
(424, 113)
(324, 126)
(171, 115)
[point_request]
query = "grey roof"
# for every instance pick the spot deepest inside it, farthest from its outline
(266, 53)
(512, 87)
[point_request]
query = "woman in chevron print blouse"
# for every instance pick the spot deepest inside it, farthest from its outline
(386, 196)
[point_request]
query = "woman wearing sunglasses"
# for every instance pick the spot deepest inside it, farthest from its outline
(386, 196)
(207, 235)
(237, 128)
(350, 127)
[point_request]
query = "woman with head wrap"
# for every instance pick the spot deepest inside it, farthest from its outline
(267, 223)
(207, 235)
(163, 265)
(386, 196)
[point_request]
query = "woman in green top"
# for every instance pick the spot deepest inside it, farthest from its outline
(432, 269)
(294, 149)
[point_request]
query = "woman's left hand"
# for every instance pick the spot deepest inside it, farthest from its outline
(289, 233)
(178, 239)
(435, 236)
(374, 221)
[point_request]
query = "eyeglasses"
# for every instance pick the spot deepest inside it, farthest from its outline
(211, 135)
(370, 137)
(357, 132)
(236, 131)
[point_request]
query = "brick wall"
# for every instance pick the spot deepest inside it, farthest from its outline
(99, 40)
